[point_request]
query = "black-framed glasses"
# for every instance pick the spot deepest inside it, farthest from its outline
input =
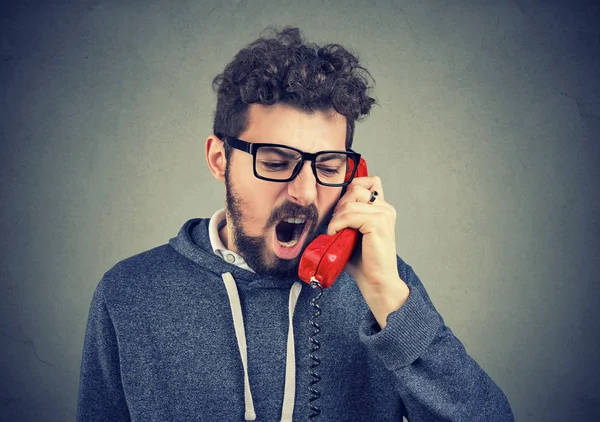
(280, 163)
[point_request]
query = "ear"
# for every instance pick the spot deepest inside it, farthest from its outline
(215, 157)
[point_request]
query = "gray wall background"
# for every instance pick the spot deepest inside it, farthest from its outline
(486, 138)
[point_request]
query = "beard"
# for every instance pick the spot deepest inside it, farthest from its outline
(254, 248)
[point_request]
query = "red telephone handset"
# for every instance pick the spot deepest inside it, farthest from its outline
(326, 256)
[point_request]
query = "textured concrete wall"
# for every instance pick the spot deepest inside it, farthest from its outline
(487, 141)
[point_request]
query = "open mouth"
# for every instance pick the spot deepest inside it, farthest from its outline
(289, 230)
(289, 236)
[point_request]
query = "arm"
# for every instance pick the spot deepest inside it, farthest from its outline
(436, 379)
(101, 396)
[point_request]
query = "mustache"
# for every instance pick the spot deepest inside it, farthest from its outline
(289, 209)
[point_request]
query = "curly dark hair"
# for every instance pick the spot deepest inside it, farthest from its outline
(282, 68)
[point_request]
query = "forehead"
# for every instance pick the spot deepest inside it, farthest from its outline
(285, 125)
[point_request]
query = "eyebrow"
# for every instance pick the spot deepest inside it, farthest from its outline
(282, 151)
(331, 155)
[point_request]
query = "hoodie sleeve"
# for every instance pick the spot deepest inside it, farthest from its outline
(436, 379)
(101, 396)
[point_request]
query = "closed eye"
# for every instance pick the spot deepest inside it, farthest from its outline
(328, 170)
(275, 166)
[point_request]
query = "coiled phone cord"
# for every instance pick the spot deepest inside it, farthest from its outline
(315, 346)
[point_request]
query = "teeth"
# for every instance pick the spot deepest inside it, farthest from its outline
(297, 231)
(295, 220)
(289, 244)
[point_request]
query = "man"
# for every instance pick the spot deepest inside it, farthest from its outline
(215, 325)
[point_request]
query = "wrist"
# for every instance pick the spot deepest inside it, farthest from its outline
(386, 298)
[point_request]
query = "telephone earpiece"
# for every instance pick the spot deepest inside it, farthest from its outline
(326, 256)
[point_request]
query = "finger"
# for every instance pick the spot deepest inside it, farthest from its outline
(363, 217)
(371, 183)
(354, 193)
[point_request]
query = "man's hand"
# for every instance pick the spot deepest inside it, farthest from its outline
(373, 264)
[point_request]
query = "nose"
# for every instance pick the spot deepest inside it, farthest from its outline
(303, 189)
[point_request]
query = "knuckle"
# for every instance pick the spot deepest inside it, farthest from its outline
(343, 210)
(352, 188)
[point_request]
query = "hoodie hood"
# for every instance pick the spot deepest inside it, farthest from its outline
(193, 242)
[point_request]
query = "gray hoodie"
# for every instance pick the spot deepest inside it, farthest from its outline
(176, 333)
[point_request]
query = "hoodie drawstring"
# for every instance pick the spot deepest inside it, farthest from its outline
(240, 333)
(290, 359)
(290, 362)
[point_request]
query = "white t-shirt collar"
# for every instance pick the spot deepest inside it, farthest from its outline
(217, 221)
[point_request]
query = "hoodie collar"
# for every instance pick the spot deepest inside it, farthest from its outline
(193, 242)
(217, 222)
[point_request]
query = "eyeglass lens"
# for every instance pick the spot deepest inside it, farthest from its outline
(278, 163)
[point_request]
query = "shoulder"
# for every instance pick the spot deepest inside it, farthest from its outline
(140, 271)
(142, 263)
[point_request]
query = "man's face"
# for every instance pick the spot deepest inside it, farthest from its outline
(256, 208)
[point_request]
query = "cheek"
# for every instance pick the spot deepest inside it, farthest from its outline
(259, 199)
(328, 199)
